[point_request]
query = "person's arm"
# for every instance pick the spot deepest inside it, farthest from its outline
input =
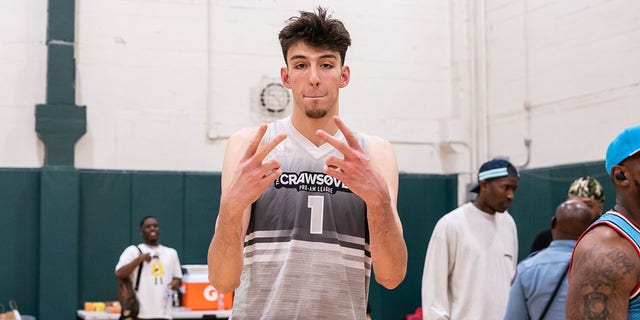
(435, 277)
(517, 306)
(603, 273)
(126, 270)
(244, 178)
(176, 280)
(388, 248)
(374, 178)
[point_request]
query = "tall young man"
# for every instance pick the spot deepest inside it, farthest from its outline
(308, 206)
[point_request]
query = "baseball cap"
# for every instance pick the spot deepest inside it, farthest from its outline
(495, 168)
(586, 187)
(622, 147)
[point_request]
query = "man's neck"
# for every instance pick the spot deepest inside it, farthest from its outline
(308, 127)
(629, 212)
(483, 207)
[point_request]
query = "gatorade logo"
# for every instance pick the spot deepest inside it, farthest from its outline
(210, 293)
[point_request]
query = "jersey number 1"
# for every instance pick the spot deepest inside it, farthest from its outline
(316, 204)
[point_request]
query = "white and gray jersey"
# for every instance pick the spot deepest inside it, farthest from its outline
(306, 251)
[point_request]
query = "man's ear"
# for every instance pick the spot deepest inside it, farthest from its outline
(619, 175)
(553, 222)
(284, 77)
(345, 76)
(482, 185)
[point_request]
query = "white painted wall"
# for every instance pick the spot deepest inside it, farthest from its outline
(23, 71)
(142, 73)
(451, 83)
(564, 74)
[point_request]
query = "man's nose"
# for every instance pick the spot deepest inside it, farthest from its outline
(510, 194)
(314, 76)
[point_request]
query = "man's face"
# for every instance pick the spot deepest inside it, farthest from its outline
(500, 192)
(594, 205)
(150, 230)
(315, 77)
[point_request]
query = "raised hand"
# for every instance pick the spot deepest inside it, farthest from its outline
(252, 176)
(146, 256)
(354, 169)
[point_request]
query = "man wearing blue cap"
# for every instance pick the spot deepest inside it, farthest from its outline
(604, 276)
(472, 255)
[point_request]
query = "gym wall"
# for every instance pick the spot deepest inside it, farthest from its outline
(64, 229)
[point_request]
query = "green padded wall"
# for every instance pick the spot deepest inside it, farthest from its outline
(422, 200)
(112, 205)
(105, 229)
(19, 237)
(160, 194)
(542, 190)
(59, 243)
(202, 200)
(48, 214)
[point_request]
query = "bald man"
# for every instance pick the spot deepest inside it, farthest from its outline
(539, 275)
(586, 189)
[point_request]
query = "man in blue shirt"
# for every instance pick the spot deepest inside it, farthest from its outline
(539, 274)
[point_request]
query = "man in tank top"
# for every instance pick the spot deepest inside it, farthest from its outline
(308, 206)
(604, 276)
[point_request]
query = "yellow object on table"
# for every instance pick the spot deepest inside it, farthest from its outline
(94, 306)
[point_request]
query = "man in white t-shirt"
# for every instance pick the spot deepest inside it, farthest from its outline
(161, 272)
(472, 255)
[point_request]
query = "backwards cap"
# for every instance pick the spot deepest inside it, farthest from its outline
(495, 168)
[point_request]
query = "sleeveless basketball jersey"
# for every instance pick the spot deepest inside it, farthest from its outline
(306, 251)
(627, 230)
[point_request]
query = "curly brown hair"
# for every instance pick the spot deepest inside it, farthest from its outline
(316, 30)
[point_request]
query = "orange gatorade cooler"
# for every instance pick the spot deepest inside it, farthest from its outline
(198, 294)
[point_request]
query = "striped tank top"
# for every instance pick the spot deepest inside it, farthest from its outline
(306, 251)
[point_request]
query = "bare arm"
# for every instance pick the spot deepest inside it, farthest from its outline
(244, 179)
(375, 179)
(388, 249)
(604, 271)
(126, 270)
